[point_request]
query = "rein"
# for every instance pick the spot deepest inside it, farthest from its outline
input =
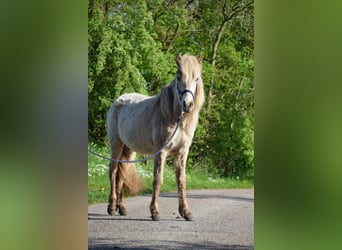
(180, 119)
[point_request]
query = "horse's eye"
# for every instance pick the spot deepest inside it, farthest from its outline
(197, 79)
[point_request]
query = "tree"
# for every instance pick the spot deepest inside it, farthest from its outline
(123, 57)
(132, 46)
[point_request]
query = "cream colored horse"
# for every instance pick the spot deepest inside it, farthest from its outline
(138, 123)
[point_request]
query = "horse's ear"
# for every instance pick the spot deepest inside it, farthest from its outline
(200, 59)
(178, 59)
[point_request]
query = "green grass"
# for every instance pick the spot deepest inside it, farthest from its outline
(98, 181)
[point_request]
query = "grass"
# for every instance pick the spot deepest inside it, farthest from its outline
(98, 181)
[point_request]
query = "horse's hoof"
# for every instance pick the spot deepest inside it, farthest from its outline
(188, 217)
(110, 210)
(122, 211)
(186, 214)
(155, 217)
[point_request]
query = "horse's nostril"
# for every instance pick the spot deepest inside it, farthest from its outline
(184, 104)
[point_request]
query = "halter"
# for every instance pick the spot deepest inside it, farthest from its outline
(182, 94)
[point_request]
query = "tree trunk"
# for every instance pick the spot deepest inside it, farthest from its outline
(213, 60)
(173, 41)
(233, 12)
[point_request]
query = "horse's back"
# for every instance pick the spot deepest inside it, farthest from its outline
(127, 102)
(132, 98)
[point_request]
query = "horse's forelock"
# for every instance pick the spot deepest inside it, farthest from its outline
(189, 66)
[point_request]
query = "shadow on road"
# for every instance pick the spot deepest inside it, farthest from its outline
(207, 196)
(92, 216)
(166, 245)
(99, 217)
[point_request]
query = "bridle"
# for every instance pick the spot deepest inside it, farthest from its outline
(182, 95)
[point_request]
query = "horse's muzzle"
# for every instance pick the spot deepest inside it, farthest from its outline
(187, 101)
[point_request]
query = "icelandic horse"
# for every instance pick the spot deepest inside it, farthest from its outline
(139, 123)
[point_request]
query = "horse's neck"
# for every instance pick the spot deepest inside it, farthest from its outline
(177, 109)
(169, 104)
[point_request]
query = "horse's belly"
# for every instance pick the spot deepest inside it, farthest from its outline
(138, 146)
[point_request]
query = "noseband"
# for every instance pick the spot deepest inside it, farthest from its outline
(182, 94)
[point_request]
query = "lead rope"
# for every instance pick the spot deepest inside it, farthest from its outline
(180, 119)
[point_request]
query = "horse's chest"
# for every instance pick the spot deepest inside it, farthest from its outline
(183, 138)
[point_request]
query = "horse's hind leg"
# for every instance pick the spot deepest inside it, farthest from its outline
(127, 155)
(116, 152)
(119, 203)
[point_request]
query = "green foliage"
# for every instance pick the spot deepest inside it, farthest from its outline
(123, 57)
(98, 181)
(131, 48)
(231, 126)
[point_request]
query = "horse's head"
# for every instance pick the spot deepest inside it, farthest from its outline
(187, 78)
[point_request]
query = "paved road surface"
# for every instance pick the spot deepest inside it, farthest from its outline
(223, 219)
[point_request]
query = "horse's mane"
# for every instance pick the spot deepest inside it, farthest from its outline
(166, 99)
(169, 105)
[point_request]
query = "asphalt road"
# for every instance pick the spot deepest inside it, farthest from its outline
(223, 219)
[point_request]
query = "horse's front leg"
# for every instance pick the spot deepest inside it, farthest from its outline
(180, 164)
(157, 183)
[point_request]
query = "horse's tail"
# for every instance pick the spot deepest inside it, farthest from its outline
(133, 183)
